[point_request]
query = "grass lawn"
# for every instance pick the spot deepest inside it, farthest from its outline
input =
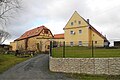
(85, 52)
(7, 61)
(93, 77)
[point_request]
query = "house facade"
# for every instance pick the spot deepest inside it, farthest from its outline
(37, 39)
(78, 31)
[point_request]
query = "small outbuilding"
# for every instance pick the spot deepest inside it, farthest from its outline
(117, 43)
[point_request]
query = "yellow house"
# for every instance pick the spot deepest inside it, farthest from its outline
(37, 39)
(78, 31)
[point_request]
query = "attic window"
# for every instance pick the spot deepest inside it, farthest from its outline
(71, 23)
(79, 22)
(46, 31)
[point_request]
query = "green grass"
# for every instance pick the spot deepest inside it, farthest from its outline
(85, 52)
(7, 61)
(93, 77)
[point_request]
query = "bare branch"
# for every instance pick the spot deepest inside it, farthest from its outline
(3, 36)
(7, 9)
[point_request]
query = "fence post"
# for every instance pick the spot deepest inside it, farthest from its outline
(92, 49)
(64, 49)
(50, 48)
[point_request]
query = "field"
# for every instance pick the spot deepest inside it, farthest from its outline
(8, 60)
(85, 52)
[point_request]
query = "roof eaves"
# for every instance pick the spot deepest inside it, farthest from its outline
(94, 29)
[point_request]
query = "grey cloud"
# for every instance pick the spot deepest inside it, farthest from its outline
(55, 14)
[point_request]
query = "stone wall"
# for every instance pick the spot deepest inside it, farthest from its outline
(110, 66)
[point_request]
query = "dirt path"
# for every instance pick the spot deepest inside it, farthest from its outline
(33, 69)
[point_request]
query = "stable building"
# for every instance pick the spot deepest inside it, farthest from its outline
(37, 39)
(116, 43)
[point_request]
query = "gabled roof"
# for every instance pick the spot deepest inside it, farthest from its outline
(74, 15)
(93, 29)
(59, 36)
(32, 33)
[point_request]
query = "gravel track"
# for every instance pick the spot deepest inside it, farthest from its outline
(36, 68)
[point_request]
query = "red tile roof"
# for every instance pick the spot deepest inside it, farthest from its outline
(59, 36)
(33, 32)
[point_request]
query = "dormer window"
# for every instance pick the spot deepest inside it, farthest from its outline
(71, 23)
(79, 22)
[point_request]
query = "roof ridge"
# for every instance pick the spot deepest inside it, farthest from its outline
(32, 32)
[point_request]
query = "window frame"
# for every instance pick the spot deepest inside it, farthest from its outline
(46, 31)
(79, 22)
(71, 32)
(80, 43)
(71, 43)
(80, 31)
(72, 23)
(95, 42)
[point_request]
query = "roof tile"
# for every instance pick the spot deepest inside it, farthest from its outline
(59, 36)
(32, 32)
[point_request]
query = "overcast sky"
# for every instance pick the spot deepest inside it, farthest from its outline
(104, 15)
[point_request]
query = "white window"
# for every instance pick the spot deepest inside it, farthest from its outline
(71, 43)
(79, 22)
(80, 43)
(71, 23)
(72, 32)
(80, 31)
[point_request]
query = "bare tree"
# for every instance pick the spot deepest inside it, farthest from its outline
(7, 10)
(3, 36)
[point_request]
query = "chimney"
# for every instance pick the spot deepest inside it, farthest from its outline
(88, 21)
